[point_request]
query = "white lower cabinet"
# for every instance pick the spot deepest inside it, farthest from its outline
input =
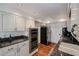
(23, 48)
(12, 50)
(8, 51)
(20, 49)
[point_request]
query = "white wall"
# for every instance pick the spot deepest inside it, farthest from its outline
(56, 29)
(75, 19)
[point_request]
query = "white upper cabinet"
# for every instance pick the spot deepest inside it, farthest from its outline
(0, 22)
(11, 22)
(8, 22)
(20, 23)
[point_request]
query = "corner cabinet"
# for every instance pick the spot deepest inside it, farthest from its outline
(20, 23)
(8, 22)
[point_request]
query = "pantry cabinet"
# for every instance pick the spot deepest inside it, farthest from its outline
(0, 22)
(8, 22)
(20, 23)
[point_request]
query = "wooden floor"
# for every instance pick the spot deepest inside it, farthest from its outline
(43, 50)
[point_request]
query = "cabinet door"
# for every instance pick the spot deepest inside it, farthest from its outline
(0, 22)
(3, 51)
(20, 23)
(8, 22)
(24, 48)
(24, 51)
(8, 51)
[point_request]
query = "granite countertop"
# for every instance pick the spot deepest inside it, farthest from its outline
(11, 41)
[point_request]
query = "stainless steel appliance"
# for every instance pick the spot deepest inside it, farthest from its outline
(33, 39)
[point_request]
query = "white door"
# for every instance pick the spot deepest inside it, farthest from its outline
(0, 22)
(8, 22)
(20, 23)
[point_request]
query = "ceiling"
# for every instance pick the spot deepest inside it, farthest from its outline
(38, 11)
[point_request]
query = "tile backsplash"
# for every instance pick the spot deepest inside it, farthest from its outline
(13, 33)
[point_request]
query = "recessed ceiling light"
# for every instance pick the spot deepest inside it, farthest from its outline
(30, 18)
(17, 13)
(47, 21)
(39, 20)
(62, 20)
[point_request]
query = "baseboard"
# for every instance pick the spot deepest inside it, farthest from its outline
(33, 52)
(50, 51)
